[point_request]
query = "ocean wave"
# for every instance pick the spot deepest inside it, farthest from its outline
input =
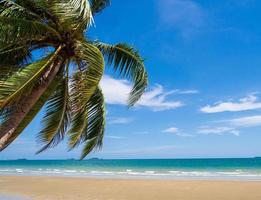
(129, 173)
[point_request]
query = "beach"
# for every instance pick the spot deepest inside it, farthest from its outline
(56, 188)
(141, 179)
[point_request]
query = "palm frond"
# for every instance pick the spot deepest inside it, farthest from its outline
(18, 54)
(23, 81)
(39, 8)
(7, 71)
(72, 13)
(84, 84)
(29, 116)
(12, 9)
(128, 62)
(94, 122)
(79, 112)
(93, 72)
(98, 5)
(15, 29)
(57, 117)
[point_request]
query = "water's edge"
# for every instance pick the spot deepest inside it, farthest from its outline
(200, 169)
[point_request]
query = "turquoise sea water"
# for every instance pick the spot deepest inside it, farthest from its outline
(244, 168)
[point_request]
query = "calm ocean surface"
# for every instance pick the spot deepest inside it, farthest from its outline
(243, 169)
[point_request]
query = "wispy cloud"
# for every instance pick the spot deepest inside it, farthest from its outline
(249, 121)
(114, 137)
(185, 15)
(249, 102)
(156, 100)
(176, 131)
(119, 120)
(232, 126)
(187, 91)
(218, 130)
(171, 130)
(116, 92)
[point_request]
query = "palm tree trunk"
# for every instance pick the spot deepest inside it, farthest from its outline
(24, 106)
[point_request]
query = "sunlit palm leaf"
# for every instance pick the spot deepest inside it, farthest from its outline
(80, 113)
(78, 108)
(57, 116)
(93, 72)
(94, 121)
(39, 8)
(128, 62)
(23, 81)
(71, 13)
(84, 84)
(15, 29)
(76, 103)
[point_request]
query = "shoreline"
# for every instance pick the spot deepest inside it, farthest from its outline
(148, 178)
(67, 188)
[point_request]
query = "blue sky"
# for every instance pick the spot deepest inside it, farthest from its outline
(203, 60)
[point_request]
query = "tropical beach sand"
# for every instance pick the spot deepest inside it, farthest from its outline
(54, 188)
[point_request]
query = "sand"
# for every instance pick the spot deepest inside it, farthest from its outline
(55, 188)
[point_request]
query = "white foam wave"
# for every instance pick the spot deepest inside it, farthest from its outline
(129, 173)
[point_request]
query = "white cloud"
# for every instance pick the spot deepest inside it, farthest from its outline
(185, 15)
(176, 131)
(171, 130)
(249, 121)
(114, 137)
(218, 130)
(188, 91)
(231, 126)
(156, 100)
(116, 92)
(119, 120)
(247, 103)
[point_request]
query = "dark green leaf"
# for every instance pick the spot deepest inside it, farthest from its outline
(128, 62)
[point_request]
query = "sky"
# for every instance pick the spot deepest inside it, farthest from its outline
(203, 100)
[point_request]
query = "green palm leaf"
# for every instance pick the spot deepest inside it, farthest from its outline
(14, 55)
(85, 83)
(71, 13)
(128, 62)
(57, 117)
(75, 102)
(78, 108)
(94, 122)
(98, 5)
(16, 29)
(11, 9)
(7, 71)
(20, 83)
(93, 71)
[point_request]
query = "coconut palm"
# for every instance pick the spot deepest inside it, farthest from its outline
(65, 79)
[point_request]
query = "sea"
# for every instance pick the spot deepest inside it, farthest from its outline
(202, 169)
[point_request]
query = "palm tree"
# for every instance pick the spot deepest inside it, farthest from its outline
(66, 77)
